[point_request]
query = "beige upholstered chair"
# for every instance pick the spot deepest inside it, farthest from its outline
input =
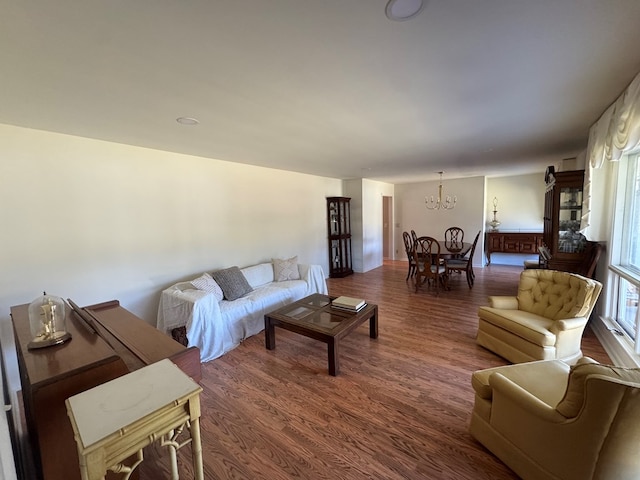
(545, 321)
(546, 420)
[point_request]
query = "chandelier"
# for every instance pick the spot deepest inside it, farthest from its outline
(439, 203)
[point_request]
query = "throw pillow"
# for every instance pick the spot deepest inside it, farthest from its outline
(206, 283)
(573, 399)
(232, 282)
(286, 269)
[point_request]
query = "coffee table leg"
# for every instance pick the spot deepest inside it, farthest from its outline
(373, 324)
(334, 364)
(269, 334)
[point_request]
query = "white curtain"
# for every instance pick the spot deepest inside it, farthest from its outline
(616, 132)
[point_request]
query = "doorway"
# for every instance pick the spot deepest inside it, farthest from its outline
(387, 228)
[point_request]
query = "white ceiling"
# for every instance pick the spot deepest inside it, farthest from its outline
(326, 87)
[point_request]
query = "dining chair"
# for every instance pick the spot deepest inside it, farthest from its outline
(428, 265)
(414, 237)
(408, 246)
(464, 264)
(454, 235)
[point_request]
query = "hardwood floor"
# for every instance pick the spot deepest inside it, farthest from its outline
(399, 409)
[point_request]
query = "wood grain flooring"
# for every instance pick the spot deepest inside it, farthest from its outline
(399, 409)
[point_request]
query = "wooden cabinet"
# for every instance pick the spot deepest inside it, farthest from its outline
(562, 214)
(113, 343)
(512, 242)
(48, 377)
(339, 228)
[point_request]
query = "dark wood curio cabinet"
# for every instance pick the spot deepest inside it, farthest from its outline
(339, 228)
(562, 215)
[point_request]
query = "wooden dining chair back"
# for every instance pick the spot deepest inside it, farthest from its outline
(414, 237)
(429, 268)
(408, 247)
(453, 235)
(464, 264)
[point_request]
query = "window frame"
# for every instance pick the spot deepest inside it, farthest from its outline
(626, 209)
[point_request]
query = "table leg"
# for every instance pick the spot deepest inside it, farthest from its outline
(173, 455)
(373, 324)
(196, 449)
(269, 333)
(334, 364)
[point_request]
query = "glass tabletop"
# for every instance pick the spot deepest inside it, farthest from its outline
(315, 312)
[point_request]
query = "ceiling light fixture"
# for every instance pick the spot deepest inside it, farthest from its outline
(187, 121)
(438, 203)
(401, 10)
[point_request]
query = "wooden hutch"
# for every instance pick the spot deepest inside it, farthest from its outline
(339, 228)
(562, 215)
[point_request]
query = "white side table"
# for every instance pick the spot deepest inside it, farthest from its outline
(115, 420)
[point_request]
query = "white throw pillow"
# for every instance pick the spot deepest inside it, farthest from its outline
(286, 269)
(208, 284)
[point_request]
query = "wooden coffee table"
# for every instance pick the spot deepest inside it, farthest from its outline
(314, 317)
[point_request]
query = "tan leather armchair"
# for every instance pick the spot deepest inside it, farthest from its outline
(547, 420)
(545, 321)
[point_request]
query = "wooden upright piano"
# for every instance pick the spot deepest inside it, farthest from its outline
(107, 341)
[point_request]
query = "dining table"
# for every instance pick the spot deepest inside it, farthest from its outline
(454, 249)
(449, 250)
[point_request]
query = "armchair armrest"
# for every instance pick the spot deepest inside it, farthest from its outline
(569, 324)
(515, 394)
(178, 306)
(314, 276)
(503, 302)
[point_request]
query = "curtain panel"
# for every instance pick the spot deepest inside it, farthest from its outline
(615, 133)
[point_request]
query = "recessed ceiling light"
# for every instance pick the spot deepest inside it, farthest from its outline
(187, 121)
(401, 10)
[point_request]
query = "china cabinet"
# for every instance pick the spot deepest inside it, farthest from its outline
(562, 214)
(339, 228)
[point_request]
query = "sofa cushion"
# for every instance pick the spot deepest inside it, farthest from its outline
(540, 378)
(232, 282)
(286, 269)
(533, 328)
(208, 284)
(258, 275)
(573, 399)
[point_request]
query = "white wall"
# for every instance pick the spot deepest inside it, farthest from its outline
(94, 221)
(353, 190)
(373, 228)
(469, 213)
(520, 209)
(366, 221)
(520, 202)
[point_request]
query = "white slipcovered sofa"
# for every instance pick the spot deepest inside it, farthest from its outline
(216, 325)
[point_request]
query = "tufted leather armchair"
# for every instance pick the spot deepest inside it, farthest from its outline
(545, 321)
(549, 421)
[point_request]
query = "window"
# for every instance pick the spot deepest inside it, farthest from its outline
(625, 252)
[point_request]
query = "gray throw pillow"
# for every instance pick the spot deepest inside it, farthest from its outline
(232, 282)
